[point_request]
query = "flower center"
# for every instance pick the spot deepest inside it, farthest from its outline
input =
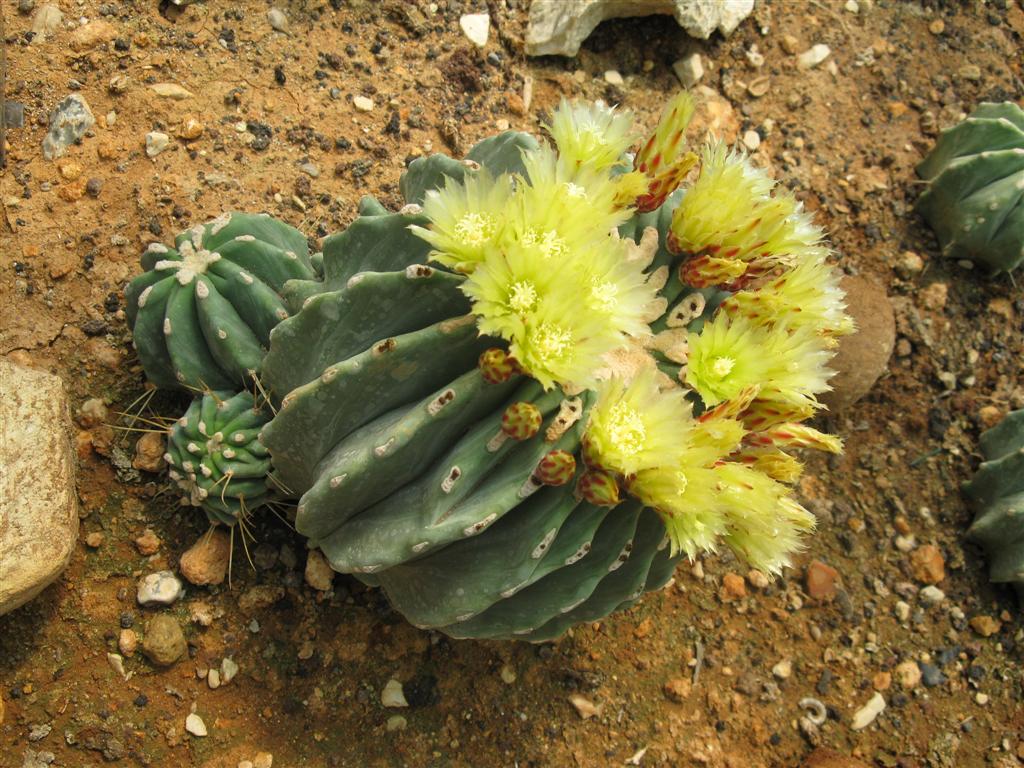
(722, 366)
(605, 294)
(193, 262)
(552, 342)
(522, 297)
(549, 244)
(475, 229)
(574, 190)
(626, 429)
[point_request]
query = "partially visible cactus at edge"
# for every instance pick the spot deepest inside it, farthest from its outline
(215, 456)
(996, 493)
(975, 195)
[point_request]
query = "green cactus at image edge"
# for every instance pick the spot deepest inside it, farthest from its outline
(996, 493)
(975, 195)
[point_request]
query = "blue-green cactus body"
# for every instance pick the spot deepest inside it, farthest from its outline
(388, 433)
(997, 494)
(215, 455)
(202, 312)
(975, 195)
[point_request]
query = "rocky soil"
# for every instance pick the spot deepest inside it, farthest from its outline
(885, 643)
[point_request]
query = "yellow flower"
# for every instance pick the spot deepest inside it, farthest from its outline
(688, 502)
(466, 218)
(806, 295)
(591, 134)
(637, 425)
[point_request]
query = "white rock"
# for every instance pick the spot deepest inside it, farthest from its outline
(813, 56)
(38, 501)
(476, 26)
(278, 20)
(689, 70)
(213, 679)
(931, 595)
(228, 670)
(263, 760)
(393, 695)
(396, 723)
(852, 6)
(751, 140)
(559, 27)
(194, 724)
(46, 21)
(612, 77)
(156, 142)
(783, 669)
(363, 104)
(866, 715)
(160, 588)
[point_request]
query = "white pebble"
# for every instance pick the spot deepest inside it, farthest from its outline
(213, 679)
(902, 610)
(160, 588)
(783, 669)
(931, 595)
(476, 26)
(194, 724)
(689, 70)
(228, 670)
(277, 19)
(362, 103)
(866, 715)
(612, 77)
(852, 6)
(393, 695)
(813, 57)
(396, 723)
(751, 140)
(508, 675)
(156, 142)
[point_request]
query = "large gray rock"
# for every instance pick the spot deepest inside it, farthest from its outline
(38, 502)
(559, 27)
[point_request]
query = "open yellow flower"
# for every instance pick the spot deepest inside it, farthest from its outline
(591, 134)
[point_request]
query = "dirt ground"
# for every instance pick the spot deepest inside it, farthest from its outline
(697, 674)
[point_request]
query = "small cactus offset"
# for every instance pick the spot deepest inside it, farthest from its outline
(517, 402)
(215, 456)
(997, 495)
(202, 312)
(975, 195)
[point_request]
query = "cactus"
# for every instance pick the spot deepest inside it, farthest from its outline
(518, 401)
(508, 446)
(975, 195)
(215, 456)
(202, 312)
(997, 495)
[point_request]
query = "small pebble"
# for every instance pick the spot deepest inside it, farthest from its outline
(908, 674)
(278, 20)
(689, 70)
(813, 56)
(319, 574)
(396, 723)
(194, 724)
(393, 695)
(228, 670)
(986, 626)
(751, 140)
(148, 543)
(783, 670)
(612, 77)
(213, 679)
(127, 642)
(156, 142)
(866, 715)
(476, 27)
(160, 588)
(263, 760)
(363, 104)
(508, 675)
(931, 675)
(937, 27)
(94, 540)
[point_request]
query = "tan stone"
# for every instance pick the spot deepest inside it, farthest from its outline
(908, 674)
(863, 356)
(821, 580)
(148, 543)
(92, 34)
(206, 561)
(733, 588)
(38, 502)
(928, 565)
(164, 642)
(986, 626)
(319, 574)
(149, 452)
(677, 689)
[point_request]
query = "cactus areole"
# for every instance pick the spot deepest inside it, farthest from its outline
(517, 402)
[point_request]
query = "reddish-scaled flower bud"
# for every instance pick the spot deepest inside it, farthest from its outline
(496, 366)
(662, 158)
(556, 468)
(599, 488)
(521, 421)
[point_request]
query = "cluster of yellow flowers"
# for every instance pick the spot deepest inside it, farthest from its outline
(546, 271)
